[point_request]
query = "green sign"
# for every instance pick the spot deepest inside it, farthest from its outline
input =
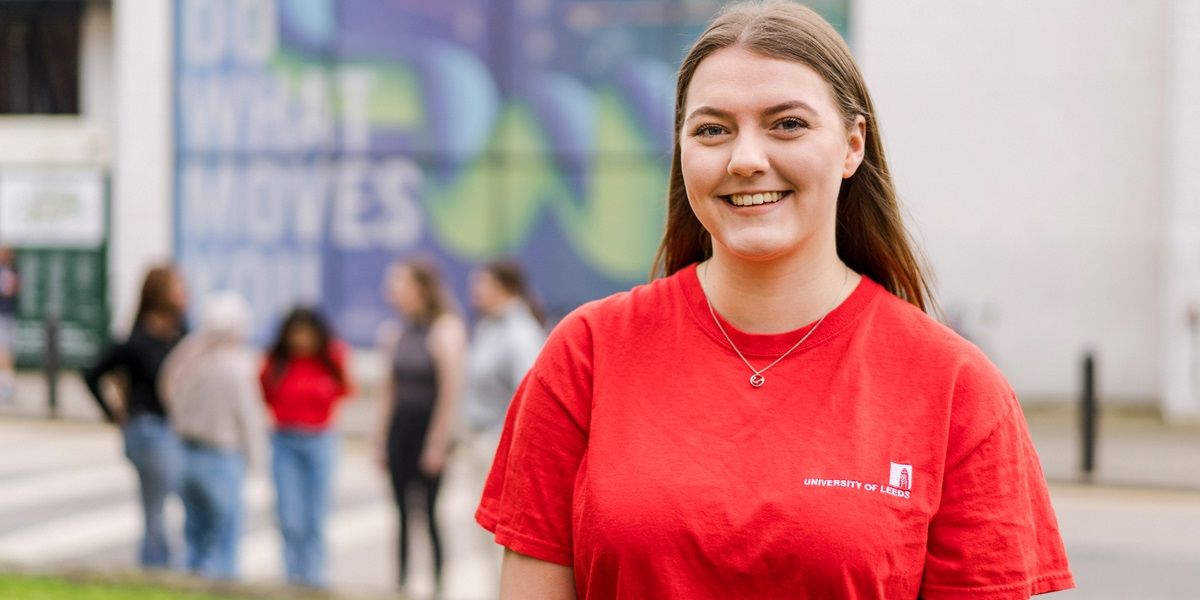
(67, 285)
(55, 218)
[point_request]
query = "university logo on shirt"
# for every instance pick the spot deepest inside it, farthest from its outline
(901, 476)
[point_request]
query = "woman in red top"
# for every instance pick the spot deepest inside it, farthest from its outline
(303, 379)
(776, 416)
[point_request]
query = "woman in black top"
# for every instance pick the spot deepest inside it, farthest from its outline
(150, 444)
(423, 390)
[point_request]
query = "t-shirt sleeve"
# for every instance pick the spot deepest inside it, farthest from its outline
(995, 536)
(528, 498)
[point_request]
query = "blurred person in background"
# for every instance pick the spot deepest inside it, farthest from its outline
(133, 402)
(426, 353)
(775, 415)
(303, 379)
(10, 289)
(209, 386)
(504, 344)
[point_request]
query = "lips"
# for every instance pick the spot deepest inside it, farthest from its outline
(754, 199)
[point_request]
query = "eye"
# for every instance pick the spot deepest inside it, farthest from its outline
(708, 130)
(791, 124)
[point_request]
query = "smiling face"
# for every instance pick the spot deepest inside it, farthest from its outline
(763, 151)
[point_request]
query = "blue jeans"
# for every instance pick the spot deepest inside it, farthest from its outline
(212, 501)
(303, 464)
(157, 454)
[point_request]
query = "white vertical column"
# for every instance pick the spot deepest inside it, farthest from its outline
(141, 225)
(1181, 322)
(96, 54)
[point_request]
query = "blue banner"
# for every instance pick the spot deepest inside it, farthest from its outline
(317, 141)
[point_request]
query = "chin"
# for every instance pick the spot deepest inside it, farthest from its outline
(761, 250)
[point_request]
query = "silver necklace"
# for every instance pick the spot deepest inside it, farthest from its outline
(756, 378)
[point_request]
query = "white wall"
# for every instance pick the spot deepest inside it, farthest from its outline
(96, 54)
(1181, 307)
(1027, 142)
(141, 224)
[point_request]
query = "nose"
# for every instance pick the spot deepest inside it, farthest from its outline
(749, 157)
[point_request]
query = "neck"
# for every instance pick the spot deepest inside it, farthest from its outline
(160, 324)
(502, 306)
(775, 296)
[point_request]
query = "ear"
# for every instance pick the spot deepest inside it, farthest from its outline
(856, 143)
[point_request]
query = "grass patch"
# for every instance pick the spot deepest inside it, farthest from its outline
(27, 587)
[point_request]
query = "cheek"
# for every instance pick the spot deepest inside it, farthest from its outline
(413, 298)
(702, 168)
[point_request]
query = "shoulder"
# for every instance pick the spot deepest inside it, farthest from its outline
(924, 342)
(523, 331)
(447, 335)
(448, 325)
(137, 335)
(522, 320)
(238, 358)
(338, 350)
(949, 370)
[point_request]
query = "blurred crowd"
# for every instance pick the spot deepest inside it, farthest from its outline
(200, 407)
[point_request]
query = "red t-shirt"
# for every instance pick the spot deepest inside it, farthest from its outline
(885, 457)
(304, 395)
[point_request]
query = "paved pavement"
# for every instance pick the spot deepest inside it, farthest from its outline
(67, 499)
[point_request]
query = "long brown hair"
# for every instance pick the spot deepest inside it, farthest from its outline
(281, 352)
(511, 277)
(156, 295)
(435, 297)
(870, 238)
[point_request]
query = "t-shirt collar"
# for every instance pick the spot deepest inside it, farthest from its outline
(772, 345)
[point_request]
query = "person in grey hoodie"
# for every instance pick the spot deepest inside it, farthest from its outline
(210, 384)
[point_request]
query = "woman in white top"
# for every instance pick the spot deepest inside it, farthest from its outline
(209, 382)
(505, 342)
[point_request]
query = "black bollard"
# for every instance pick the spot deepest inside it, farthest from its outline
(1088, 409)
(52, 364)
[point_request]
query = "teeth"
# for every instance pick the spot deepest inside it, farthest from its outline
(752, 199)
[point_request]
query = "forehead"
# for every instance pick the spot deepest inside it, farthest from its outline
(735, 79)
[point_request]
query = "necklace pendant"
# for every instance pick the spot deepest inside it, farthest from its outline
(757, 380)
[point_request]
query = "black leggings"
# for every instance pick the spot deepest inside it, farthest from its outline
(406, 439)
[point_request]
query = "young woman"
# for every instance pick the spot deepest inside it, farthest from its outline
(303, 379)
(150, 443)
(776, 417)
(422, 394)
(505, 342)
(209, 384)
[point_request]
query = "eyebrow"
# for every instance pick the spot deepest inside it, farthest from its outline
(770, 110)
